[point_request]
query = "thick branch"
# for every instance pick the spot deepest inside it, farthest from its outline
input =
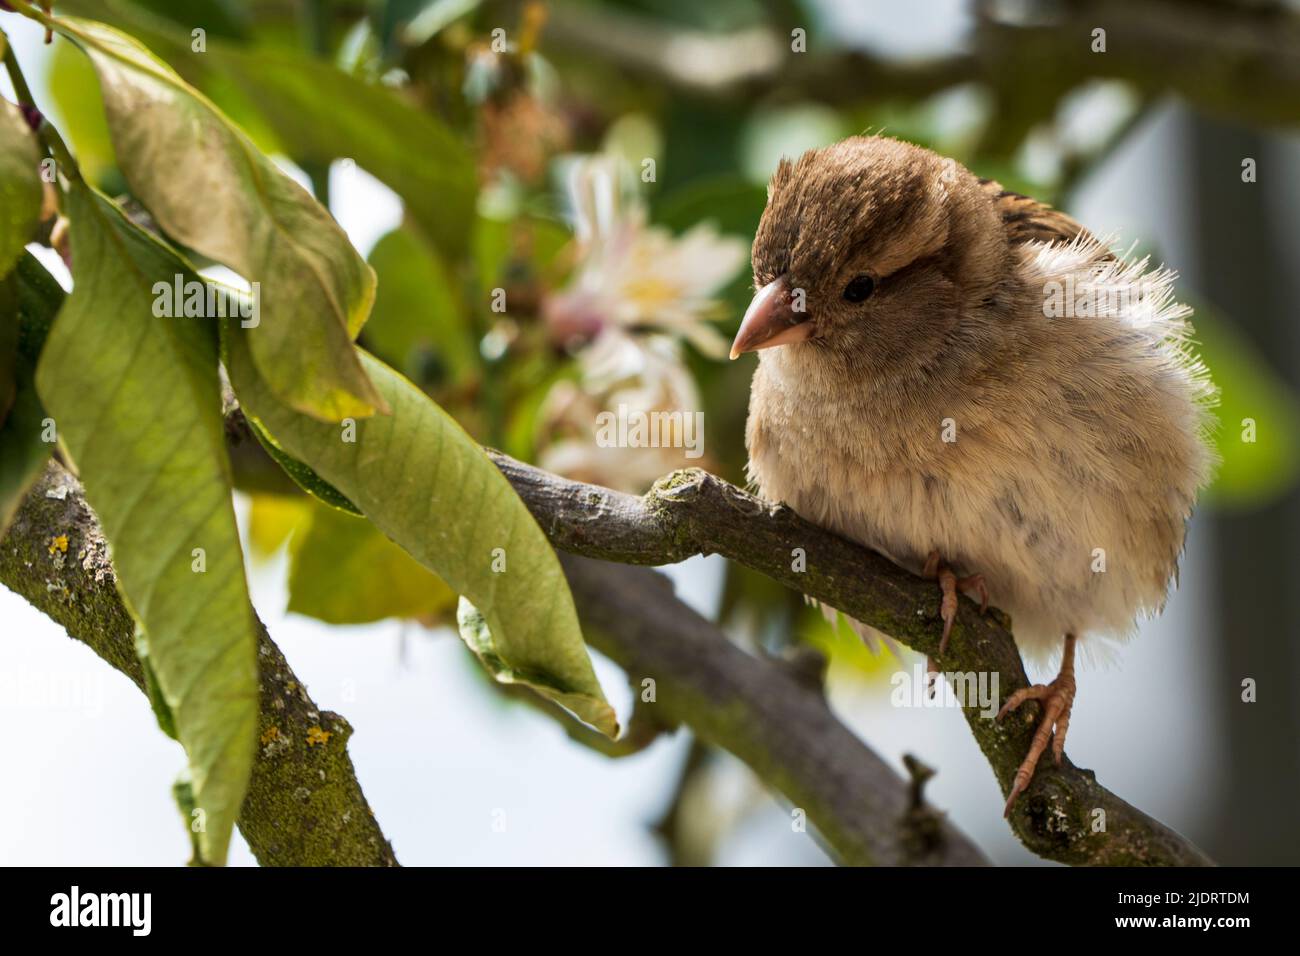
(759, 711)
(304, 805)
(692, 512)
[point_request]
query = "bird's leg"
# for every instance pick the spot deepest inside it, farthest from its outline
(949, 585)
(1056, 700)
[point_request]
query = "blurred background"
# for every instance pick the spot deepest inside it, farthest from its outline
(607, 163)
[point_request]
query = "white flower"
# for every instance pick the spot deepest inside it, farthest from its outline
(636, 293)
(632, 275)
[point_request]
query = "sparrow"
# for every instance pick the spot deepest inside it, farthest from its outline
(972, 384)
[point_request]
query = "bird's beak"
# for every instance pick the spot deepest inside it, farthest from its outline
(771, 320)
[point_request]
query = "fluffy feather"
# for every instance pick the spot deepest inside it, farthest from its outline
(1078, 436)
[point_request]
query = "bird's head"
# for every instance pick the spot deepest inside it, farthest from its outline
(871, 251)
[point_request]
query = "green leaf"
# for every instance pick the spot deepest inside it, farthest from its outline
(426, 484)
(477, 635)
(321, 113)
(79, 115)
(20, 184)
(212, 190)
(29, 299)
(344, 571)
(417, 314)
(8, 348)
(137, 401)
(153, 690)
(224, 18)
(302, 476)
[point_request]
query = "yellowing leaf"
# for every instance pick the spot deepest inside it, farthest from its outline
(344, 571)
(212, 190)
(138, 406)
(78, 113)
(317, 113)
(272, 519)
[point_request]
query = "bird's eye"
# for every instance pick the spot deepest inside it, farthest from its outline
(859, 288)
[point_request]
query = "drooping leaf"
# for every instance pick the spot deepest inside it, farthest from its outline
(29, 299)
(730, 202)
(479, 638)
(211, 189)
(426, 484)
(153, 690)
(303, 476)
(20, 184)
(343, 570)
(137, 402)
(318, 113)
(78, 112)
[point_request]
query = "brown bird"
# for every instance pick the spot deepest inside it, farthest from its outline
(970, 383)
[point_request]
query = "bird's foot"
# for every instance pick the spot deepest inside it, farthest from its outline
(949, 586)
(1056, 700)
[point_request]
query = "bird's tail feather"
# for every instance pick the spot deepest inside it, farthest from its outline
(876, 641)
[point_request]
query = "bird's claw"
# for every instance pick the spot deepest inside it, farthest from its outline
(1057, 701)
(950, 585)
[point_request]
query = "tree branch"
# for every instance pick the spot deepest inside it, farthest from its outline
(692, 512)
(772, 716)
(304, 805)
(779, 725)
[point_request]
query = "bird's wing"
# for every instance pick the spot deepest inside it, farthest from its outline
(1028, 220)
